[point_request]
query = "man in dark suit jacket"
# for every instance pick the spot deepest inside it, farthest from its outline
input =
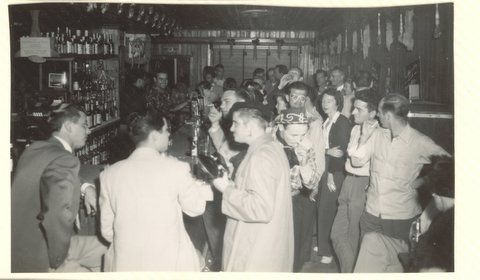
(45, 201)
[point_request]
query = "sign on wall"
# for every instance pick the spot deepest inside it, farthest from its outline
(138, 48)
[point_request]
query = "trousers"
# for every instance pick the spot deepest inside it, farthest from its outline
(214, 221)
(326, 211)
(303, 220)
(382, 241)
(346, 226)
(84, 255)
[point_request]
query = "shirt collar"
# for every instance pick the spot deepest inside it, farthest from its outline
(406, 134)
(340, 87)
(64, 144)
(335, 117)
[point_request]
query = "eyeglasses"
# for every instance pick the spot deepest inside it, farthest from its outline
(298, 98)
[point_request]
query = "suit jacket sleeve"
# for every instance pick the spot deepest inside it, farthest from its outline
(339, 136)
(256, 202)
(106, 210)
(60, 194)
(192, 196)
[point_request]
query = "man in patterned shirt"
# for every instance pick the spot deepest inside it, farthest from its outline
(159, 98)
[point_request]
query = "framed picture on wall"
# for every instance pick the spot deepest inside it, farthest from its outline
(57, 80)
(412, 80)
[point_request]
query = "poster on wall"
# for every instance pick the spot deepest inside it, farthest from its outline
(412, 80)
(138, 48)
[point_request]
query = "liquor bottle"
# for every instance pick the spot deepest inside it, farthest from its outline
(88, 112)
(115, 108)
(77, 44)
(101, 49)
(98, 112)
(58, 43)
(87, 43)
(69, 42)
(106, 45)
(105, 111)
(111, 46)
(95, 44)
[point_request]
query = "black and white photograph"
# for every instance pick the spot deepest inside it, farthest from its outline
(244, 137)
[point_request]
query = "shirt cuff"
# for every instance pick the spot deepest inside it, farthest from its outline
(84, 187)
(214, 128)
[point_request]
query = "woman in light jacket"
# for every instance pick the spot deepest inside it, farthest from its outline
(141, 202)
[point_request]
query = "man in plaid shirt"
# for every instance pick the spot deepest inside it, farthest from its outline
(291, 132)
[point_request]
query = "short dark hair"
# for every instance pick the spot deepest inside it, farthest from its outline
(252, 114)
(363, 79)
(283, 69)
(245, 94)
(141, 126)
(208, 70)
(298, 85)
(258, 71)
(300, 71)
(219, 66)
(229, 83)
(397, 104)
(368, 96)
(320, 71)
(160, 71)
(337, 68)
(65, 112)
(337, 95)
(241, 94)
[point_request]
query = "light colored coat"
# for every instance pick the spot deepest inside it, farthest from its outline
(259, 231)
(141, 204)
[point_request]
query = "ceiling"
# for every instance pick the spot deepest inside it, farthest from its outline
(230, 17)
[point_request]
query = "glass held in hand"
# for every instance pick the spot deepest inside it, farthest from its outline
(415, 232)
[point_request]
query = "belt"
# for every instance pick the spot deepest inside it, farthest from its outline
(353, 175)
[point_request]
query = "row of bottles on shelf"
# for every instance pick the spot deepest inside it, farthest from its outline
(96, 92)
(100, 110)
(69, 42)
(276, 34)
(96, 149)
(86, 78)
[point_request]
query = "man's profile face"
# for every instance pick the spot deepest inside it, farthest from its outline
(228, 99)
(360, 111)
(162, 80)
(320, 79)
(297, 98)
(336, 78)
(79, 131)
(295, 75)
(240, 129)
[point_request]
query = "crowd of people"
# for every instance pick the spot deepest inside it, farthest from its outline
(339, 159)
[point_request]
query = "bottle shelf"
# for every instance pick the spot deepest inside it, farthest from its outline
(89, 56)
(103, 125)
